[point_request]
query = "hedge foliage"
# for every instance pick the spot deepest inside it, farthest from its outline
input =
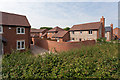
(99, 61)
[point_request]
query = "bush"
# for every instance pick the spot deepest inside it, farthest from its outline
(101, 40)
(99, 61)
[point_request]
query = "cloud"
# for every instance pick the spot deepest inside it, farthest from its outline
(59, 0)
(62, 14)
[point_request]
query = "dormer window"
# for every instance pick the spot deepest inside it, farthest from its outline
(1, 29)
(20, 30)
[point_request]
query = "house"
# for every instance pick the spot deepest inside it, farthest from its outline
(88, 31)
(53, 31)
(37, 32)
(14, 32)
(116, 32)
(62, 36)
(109, 32)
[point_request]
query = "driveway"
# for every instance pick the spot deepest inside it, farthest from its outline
(38, 50)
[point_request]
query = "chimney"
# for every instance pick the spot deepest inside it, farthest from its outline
(102, 20)
(111, 31)
(111, 26)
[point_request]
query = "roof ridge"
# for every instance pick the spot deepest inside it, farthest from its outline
(12, 13)
(88, 23)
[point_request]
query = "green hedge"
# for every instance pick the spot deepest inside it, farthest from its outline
(99, 61)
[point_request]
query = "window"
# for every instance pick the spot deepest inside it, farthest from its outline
(72, 32)
(58, 40)
(1, 29)
(20, 30)
(90, 32)
(72, 38)
(80, 39)
(20, 44)
(80, 32)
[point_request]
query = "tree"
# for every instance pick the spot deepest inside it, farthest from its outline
(46, 28)
(33, 28)
(67, 28)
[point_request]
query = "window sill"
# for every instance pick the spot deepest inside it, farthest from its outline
(20, 33)
(21, 49)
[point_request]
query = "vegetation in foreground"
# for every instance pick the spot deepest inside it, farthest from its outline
(99, 61)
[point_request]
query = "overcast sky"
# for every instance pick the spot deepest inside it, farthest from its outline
(63, 14)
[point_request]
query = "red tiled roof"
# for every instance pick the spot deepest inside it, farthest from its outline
(44, 34)
(86, 26)
(37, 30)
(13, 19)
(56, 29)
(60, 34)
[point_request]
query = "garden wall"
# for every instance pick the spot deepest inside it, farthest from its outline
(60, 46)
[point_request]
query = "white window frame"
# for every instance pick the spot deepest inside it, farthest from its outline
(90, 32)
(1, 29)
(20, 44)
(20, 30)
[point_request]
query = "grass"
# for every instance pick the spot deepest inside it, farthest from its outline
(99, 61)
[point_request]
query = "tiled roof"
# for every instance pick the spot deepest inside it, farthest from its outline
(44, 34)
(37, 30)
(108, 29)
(13, 19)
(86, 26)
(56, 29)
(60, 34)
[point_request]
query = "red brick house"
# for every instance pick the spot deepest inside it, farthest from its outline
(14, 32)
(37, 32)
(88, 31)
(62, 36)
(116, 32)
(53, 31)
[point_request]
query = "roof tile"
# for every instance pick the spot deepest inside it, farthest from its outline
(13, 19)
(86, 26)
(60, 34)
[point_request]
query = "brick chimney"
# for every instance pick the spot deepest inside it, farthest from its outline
(111, 31)
(111, 26)
(102, 20)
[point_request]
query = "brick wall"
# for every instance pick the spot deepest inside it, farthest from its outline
(11, 36)
(116, 32)
(61, 46)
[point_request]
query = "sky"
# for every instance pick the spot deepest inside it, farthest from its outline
(64, 13)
